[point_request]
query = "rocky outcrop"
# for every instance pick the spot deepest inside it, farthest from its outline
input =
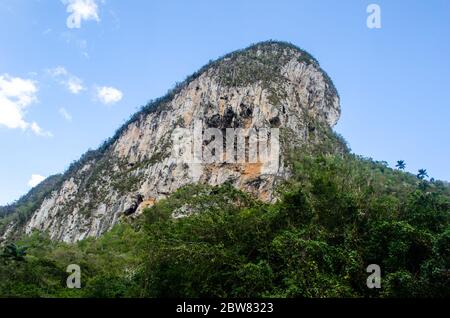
(269, 85)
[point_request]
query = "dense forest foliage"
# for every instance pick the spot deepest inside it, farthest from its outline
(335, 216)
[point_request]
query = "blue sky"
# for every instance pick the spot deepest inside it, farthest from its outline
(71, 72)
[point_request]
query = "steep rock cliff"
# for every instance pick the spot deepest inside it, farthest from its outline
(268, 85)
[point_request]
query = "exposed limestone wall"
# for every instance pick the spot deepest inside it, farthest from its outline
(140, 169)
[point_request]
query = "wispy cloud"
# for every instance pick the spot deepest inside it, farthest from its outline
(74, 85)
(39, 131)
(74, 40)
(109, 95)
(16, 94)
(70, 81)
(64, 113)
(81, 10)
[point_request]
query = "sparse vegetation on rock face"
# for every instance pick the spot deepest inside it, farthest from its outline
(267, 85)
(20, 211)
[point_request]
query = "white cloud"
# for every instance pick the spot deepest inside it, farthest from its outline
(63, 112)
(39, 131)
(81, 10)
(16, 94)
(35, 180)
(109, 95)
(70, 81)
(74, 85)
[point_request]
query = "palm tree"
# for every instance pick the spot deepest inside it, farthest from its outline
(401, 165)
(422, 174)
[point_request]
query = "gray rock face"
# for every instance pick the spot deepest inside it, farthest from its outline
(265, 86)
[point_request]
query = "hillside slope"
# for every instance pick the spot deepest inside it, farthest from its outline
(336, 215)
